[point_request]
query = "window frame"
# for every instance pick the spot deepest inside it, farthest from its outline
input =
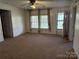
(47, 22)
(60, 20)
(31, 22)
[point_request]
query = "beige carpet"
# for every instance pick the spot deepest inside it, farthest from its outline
(36, 46)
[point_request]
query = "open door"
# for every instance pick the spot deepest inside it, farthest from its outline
(1, 32)
(6, 23)
(66, 25)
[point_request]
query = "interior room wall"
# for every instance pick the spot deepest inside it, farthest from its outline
(27, 27)
(18, 18)
(76, 37)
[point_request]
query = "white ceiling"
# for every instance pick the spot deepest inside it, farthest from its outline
(42, 3)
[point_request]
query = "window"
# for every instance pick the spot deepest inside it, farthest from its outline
(34, 21)
(60, 20)
(44, 22)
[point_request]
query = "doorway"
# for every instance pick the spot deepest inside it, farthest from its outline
(6, 23)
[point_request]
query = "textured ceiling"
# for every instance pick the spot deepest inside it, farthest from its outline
(55, 0)
(42, 3)
(38, 0)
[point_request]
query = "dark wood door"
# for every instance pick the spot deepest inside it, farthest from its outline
(66, 24)
(6, 23)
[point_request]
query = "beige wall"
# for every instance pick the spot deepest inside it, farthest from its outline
(53, 17)
(17, 18)
(76, 34)
(76, 38)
